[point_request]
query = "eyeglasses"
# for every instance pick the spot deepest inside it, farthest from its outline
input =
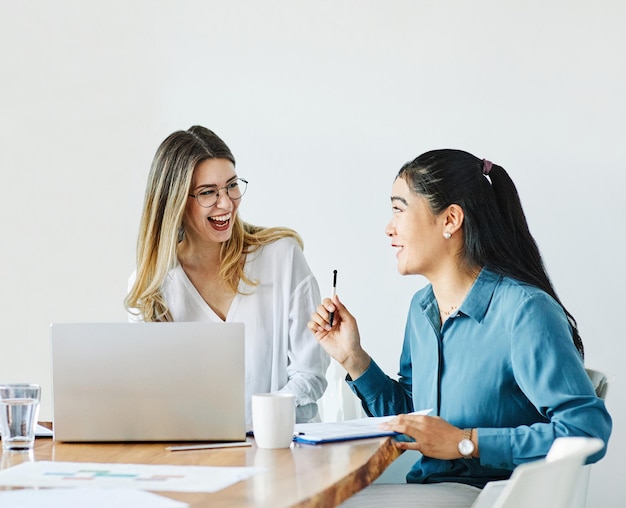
(208, 196)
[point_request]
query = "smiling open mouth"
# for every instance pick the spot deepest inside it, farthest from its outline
(220, 222)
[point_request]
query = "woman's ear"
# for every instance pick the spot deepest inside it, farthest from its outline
(453, 218)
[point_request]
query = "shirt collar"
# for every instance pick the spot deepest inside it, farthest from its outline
(477, 300)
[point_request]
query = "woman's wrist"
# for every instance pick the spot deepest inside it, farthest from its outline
(357, 364)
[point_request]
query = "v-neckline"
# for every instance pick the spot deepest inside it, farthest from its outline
(202, 302)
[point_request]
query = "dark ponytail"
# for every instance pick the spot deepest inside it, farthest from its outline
(495, 228)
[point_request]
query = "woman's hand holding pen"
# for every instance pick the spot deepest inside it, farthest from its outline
(341, 340)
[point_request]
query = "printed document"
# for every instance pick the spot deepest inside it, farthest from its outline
(318, 433)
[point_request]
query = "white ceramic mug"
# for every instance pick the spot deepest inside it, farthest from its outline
(273, 419)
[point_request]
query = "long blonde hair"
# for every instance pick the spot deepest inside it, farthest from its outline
(161, 223)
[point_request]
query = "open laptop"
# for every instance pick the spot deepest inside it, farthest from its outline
(148, 381)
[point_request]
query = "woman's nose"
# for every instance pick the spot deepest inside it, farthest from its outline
(223, 199)
(389, 230)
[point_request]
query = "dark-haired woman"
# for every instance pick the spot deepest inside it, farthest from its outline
(488, 345)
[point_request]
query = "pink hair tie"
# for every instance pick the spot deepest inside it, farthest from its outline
(487, 166)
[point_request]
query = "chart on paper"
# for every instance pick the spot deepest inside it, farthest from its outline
(137, 476)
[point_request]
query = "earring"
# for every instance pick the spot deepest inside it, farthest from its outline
(181, 234)
(447, 235)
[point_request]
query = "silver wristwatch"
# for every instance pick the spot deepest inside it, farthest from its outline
(466, 446)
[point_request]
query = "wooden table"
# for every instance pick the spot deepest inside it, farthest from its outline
(300, 476)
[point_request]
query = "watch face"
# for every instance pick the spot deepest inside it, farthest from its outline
(466, 447)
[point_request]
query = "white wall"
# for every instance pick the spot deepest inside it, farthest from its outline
(321, 103)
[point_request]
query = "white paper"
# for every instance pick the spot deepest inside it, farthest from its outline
(93, 498)
(349, 429)
(133, 476)
(41, 431)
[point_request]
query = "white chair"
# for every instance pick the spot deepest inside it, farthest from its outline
(600, 384)
(545, 483)
(578, 497)
(549, 483)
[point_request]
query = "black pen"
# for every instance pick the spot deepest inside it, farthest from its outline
(332, 295)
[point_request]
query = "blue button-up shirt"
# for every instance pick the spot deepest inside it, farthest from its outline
(503, 363)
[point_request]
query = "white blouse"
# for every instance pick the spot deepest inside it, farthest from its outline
(281, 354)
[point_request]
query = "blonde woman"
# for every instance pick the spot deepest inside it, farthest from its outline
(198, 261)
